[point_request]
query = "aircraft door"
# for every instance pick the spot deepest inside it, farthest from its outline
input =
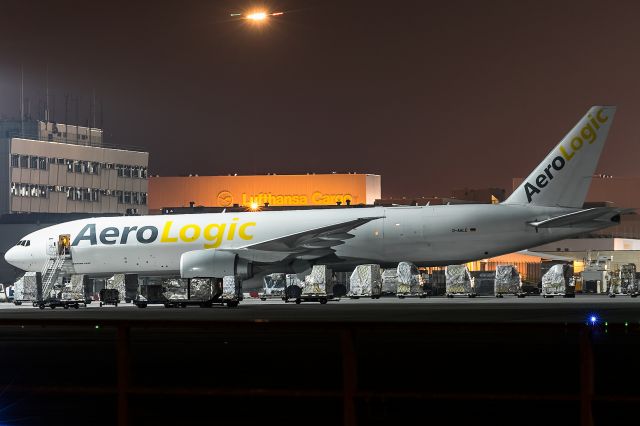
(64, 244)
(52, 247)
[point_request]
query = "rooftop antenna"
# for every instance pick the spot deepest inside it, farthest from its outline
(77, 118)
(46, 106)
(22, 100)
(66, 114)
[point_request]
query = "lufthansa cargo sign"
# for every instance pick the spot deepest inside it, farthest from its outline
(274, 190)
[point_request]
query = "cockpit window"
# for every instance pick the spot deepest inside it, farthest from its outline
(22, 242)
(19, 243)
(28, 243)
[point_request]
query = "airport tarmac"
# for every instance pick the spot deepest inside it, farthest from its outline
(533, 309)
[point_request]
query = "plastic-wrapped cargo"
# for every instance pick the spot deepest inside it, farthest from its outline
(458, 280)
(365, 281)
(201, 289)
(389, 281)
(117, 282)
(409, 279)
(556, 281)
(74, 290)
(507, 280)
(26, 288)
(319, 281)
(231, 287)
(274, 284)
(175, 289)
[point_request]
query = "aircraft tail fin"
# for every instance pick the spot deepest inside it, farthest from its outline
(563, 178)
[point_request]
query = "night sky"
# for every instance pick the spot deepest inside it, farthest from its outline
(431, 95)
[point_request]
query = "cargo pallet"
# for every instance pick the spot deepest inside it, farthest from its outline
(54, 303)
(372, 296)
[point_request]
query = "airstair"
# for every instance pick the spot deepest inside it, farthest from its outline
(51, 272)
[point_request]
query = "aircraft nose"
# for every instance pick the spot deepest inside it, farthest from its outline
(11, 257)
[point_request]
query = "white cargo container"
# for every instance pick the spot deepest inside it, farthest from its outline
(507, 281)
(410, 281)
(558, 282)
(365, 281)
(459, 281)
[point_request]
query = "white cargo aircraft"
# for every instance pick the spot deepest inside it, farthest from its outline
(545, 208)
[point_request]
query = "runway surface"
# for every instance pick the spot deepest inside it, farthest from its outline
(532, 309)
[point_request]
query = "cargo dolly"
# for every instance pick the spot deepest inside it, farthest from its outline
(314, 297)
(226, 293)
(55, 303)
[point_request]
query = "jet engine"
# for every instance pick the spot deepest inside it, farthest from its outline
(213, 263)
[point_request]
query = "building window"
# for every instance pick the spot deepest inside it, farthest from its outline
(120, 169)
(61, 160)
(24, 161)
(15, 160)
(127, 197)
(127, 171)
(109, 166)
(136, 198)
(143, 198)
(120, 197)
(69, 164)
(42, 163)
(24, 190)
(53, 160)
(95, 195)
(14, 189)
(42, 191)
(77, 166)
(144, 172)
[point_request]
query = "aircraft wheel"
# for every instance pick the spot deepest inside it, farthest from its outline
(76, 306)
(53, 306)
(41, 306)
(323, 301)
(298, 301)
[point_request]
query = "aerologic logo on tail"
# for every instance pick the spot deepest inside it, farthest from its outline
(588, 133)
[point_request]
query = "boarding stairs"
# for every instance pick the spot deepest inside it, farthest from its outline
(51, 272)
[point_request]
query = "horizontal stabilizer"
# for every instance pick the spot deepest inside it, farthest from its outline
(579, 217)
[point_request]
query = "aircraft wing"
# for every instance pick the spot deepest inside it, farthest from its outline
(580, 217)
(309, 244)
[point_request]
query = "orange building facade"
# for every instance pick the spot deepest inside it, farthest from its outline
(276, 190)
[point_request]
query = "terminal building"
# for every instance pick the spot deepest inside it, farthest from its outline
(263, 190)
(58, 168)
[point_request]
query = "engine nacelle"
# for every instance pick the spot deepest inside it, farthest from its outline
(213, 263)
